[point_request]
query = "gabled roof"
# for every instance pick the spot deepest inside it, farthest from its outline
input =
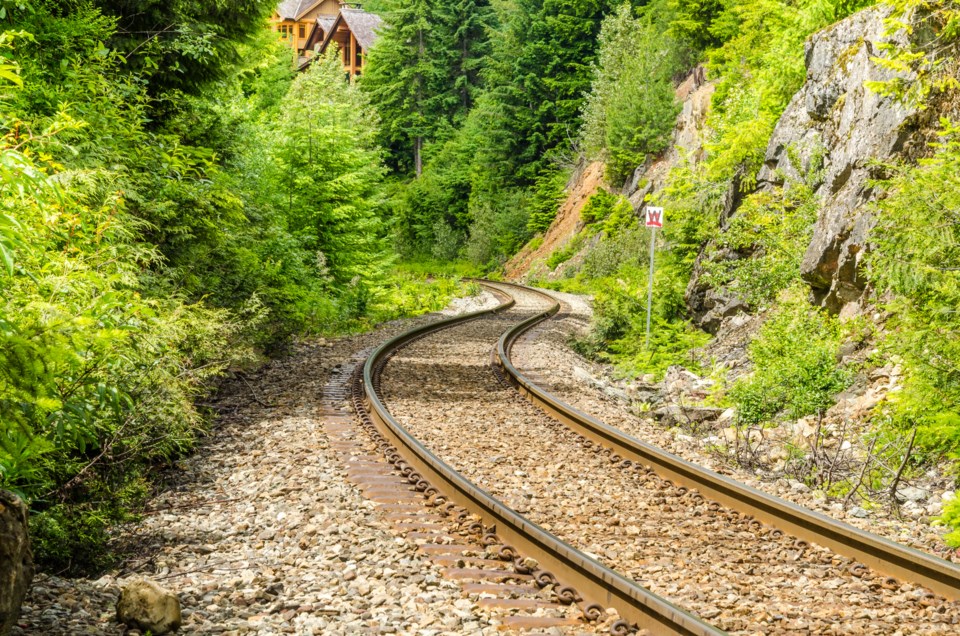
(318, 32)
(324, 22)
(363, 25)
(296, 9)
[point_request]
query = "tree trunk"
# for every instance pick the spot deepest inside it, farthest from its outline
(418, 156)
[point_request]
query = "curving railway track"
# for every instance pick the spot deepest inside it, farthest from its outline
(604, 520)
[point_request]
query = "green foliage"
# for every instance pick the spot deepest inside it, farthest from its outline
(916, 264)
(627, 249)
(631, 110)
(598, 207)
(177, 46)
(618, 333)
(565, 253)
(494, 158)
(424, 73)
(613, 213)
(548, 194)
(759, 253)
(927, 67)
(157, 230)
(951, 518)
(759, 67)
(331, 196)
(538, 73)
(499, 229)
(795, 364)
(92, 374)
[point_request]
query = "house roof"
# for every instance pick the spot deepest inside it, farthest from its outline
(295, 9)
(325, 22)
(363, 25)
(318, 33)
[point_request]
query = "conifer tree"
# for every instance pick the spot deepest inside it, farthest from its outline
(404, 76)
(466, 25)
(539, 73)
(424, 73)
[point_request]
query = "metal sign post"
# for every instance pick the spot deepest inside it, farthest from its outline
(654, 218)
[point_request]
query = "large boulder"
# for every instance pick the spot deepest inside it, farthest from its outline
(16, 559)
(146, 606)
(836, 119)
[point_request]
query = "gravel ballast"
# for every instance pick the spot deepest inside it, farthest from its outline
(710, 561)
(261, 532)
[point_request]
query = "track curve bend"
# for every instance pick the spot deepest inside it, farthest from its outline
(593, 585)
(628, 518)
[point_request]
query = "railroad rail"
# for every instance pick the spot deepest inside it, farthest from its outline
(885, 556)
(595, 585)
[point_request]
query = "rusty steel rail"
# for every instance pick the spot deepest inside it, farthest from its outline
(594, 585)
(884, 556)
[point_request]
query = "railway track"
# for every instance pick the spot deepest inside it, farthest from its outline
(612, 522)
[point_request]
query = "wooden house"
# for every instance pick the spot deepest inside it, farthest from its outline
(294, 20)
(353, 30)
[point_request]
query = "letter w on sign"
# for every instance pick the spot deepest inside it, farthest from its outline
(654, 217)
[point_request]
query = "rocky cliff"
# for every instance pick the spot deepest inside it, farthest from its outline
(835, 122)
(16, 559)
(836, 119)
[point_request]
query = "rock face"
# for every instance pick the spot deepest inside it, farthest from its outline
(836, 119)
(146, 606)
(16, 559)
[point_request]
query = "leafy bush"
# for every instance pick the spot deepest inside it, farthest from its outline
(618, 332)
(95, 380)
(150, 241)
(548, 194)
(563, 254)
(629, 248)
(795, 364)
(916, 266)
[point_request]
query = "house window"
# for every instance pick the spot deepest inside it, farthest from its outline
(303, 30)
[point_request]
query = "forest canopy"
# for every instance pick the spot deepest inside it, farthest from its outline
(175, 205)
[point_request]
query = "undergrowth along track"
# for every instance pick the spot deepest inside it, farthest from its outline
(633, 601)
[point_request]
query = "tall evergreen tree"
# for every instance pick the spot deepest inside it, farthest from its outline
(424, 72)
(404, 75)
(328, 159)
(466, 25)
(539, 74)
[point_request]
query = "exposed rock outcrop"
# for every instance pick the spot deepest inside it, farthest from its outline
(146, 606)
(16, 559)
(836, 119)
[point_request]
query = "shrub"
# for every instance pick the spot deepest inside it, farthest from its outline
(795, 364)
(759, 254)
(548, 194)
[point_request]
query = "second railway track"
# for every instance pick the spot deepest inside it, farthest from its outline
(723, 566)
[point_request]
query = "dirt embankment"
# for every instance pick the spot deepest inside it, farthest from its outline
(564, 227)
